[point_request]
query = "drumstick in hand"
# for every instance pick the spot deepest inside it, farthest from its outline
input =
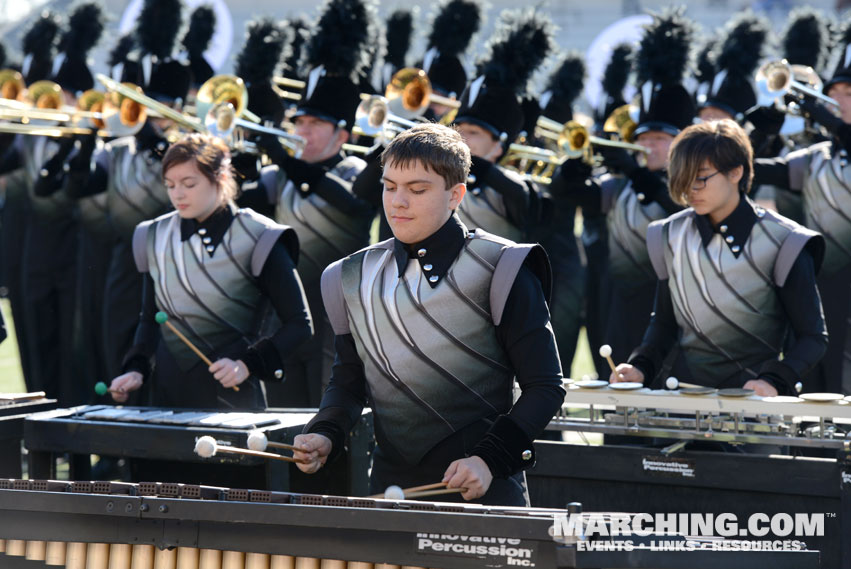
(606, 352)
(162, 318)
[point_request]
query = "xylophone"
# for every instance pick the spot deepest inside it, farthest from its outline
(105, 525)
(14, 407)
(157, 435)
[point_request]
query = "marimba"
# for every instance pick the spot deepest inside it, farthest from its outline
(158, 434)
(14, 407)
(106, 525)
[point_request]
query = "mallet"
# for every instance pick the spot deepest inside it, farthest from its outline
(606, 352)
(397, 493)
(162, 318)
(207, 446)
(258, 441)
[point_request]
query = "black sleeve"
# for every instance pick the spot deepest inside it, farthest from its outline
(86, 177)
(345, 397)
(52, 172)
(654, 188)
(573, 182)
(660, 337)
(141, 355)
(527, 337)
(338, 193)
(800, 298)
(255, 195)
(369, 186)
(771, 171)
(11, 159)
(280, 283)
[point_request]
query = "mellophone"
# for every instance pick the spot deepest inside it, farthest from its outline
(702, 413)
(106, 525)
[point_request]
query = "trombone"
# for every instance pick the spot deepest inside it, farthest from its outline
(125, 92)
(574, 140)
(533, 163)
(776, 78)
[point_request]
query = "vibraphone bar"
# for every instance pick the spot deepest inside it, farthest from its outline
(160, 434)
(104, 525)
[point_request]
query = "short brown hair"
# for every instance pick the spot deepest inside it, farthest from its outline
(211, 156)
(436, 147)
(724, 144)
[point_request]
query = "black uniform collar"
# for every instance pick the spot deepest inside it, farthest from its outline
(211, 230)
(735, 229)
(332, 161)
(435, 253)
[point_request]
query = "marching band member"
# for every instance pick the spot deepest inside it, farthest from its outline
(313, 193)
(127, 169)
(432, 326)
(635, 195)
(557, 236)
(214, 269)
(820, 173)
(202, 26)
(489, 120)
(400, 27)
(39, 47)
(734, 280)
(595, 233)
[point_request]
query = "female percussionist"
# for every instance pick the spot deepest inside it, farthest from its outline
(223, 277)
(736, 282)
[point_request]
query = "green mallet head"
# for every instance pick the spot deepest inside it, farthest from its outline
(161, 317)
(101, 388)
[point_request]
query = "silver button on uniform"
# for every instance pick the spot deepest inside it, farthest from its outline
(735, 248)
(279, 373)
(729, 239)
(527, 455)
(723, 229)
(421, 252)
(206, 240)
(427, 267)
(210, 248)
(432, 279)
(202, 231)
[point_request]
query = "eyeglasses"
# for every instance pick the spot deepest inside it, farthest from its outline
(700, 181)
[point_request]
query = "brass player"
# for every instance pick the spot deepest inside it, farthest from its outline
(128, 169)
(820, 173)
(431, 328)
(489, 120)
(39, 48)
(734, 280)
(312, 193)
(635, 195)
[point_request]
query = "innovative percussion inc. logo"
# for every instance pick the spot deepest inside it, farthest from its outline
(689, 532)
(492, 551)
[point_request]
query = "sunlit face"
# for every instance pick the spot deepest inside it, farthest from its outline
(191, 193)
(416, 201)
(841, 93)
(658, 143)
(322, 138)
(709, 114)
(481, 142)
(720, 196)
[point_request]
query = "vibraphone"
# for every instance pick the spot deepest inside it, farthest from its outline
(106, 525)
(681, 479)
(14, 407)
(156, 434)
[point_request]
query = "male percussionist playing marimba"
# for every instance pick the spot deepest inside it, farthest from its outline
(735, 280)
(432, 327)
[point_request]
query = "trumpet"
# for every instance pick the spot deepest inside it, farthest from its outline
(777, 78)
(409, 94)
(574, 140)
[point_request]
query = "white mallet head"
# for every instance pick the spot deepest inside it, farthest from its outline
(605, 351)
(257, 441)
(394, 493)
(205, 447)
(672, 383)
